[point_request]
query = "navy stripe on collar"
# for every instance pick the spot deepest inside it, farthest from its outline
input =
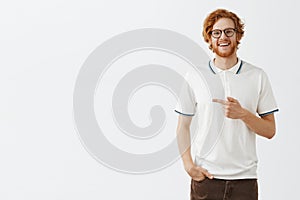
(211, 68)
(240, 67)
(237, 72)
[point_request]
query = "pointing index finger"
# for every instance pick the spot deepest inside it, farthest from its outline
(221, 101)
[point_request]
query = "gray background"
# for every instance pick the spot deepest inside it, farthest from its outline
(44, 44)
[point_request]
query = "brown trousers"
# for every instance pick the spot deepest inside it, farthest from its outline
(218, 189)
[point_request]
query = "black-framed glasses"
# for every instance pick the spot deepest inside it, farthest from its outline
(229, 32)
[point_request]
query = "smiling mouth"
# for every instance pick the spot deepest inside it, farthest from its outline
(224, 44)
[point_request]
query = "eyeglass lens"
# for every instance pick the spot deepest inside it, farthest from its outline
(228, 32)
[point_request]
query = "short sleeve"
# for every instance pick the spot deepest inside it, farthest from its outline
(266, 103)
(186, 104)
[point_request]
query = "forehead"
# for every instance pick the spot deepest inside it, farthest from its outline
(224, 23)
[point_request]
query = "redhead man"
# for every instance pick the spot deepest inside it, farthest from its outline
(229, 169)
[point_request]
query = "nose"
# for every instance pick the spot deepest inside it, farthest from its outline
(223, 35)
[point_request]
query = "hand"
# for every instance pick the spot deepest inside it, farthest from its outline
(232, 108)
(198, 173)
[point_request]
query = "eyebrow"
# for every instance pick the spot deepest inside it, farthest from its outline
(223, 29)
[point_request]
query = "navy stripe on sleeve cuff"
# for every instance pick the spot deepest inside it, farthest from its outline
(184, 113)
(267, 113)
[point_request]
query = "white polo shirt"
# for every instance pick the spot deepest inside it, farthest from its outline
(231, 154)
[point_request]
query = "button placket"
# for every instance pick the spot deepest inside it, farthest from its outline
(226, 84)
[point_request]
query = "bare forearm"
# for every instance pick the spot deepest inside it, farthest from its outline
(184, 142)
(184, 145)
(262, 127)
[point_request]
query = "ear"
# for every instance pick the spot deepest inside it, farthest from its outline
(238, 37)
(209, 41)
(210, 44)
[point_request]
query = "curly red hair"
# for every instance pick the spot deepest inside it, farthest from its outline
(214, 16)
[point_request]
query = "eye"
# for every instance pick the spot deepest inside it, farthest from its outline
(216, 33)
(229, 32)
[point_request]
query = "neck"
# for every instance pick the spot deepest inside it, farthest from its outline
(225, 62)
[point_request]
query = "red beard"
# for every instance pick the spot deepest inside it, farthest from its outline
(226, 53)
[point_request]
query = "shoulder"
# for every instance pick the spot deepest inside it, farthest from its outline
(250, 68)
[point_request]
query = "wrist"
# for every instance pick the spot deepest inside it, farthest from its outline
(244, 114)
(188, 166)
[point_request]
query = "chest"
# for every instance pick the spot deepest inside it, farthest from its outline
(244, 87)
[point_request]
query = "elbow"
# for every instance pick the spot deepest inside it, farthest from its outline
(271, 134)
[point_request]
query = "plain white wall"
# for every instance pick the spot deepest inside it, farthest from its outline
(43, 45)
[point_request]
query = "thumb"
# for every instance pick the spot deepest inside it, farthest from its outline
(231, 99)
(206, 173)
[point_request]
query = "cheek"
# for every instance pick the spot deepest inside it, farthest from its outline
(235, 39)
(213, 42)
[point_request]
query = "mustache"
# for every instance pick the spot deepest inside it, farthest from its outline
(224, 41)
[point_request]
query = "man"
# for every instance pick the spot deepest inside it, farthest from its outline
(229, 169)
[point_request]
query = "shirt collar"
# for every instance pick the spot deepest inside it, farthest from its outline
(235, 69)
